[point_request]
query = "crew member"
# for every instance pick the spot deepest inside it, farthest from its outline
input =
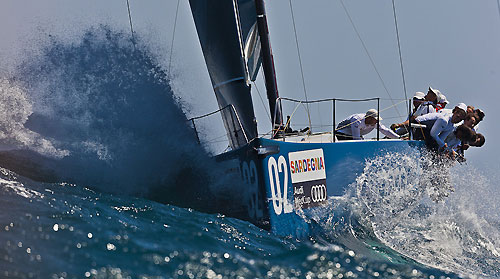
(432, 95)
(462, 135)
(418, 109)
(357, 125)
(440, 125)
(441, 102)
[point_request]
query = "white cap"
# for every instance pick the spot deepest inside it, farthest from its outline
(462, 106)
(373, 113)
(441, 98)
(419, 96)
(437, 92)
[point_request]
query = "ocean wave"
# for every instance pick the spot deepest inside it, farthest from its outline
(71, 231)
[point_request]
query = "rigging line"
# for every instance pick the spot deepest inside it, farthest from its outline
(300, 61)
(262, 100)
(399, 49)
(400, 56)
(498, 4)
(173, 37)
(130, 20)
(369, 56)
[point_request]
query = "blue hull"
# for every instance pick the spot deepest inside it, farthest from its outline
(287, 180)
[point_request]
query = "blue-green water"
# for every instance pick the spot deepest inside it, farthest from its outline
(100, 113)
(69, 231)
(51, 230)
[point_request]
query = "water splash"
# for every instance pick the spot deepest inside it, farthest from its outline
(97, 112)
(391, 184)
(14, 112)
(399, 212)
(395, 195)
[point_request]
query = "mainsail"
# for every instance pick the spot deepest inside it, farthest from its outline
(231, 47)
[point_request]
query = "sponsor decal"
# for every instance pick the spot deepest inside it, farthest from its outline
(318, 193)
(307, 170)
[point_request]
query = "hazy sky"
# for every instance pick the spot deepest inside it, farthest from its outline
(452, 45)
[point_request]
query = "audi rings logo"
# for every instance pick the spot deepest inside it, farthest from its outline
(318, 193)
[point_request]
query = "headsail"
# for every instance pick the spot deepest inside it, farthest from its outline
(228, 38)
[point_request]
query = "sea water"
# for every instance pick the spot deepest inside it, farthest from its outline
(100, 113)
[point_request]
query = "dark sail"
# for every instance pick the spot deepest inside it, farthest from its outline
(223, 33)
(250, 34)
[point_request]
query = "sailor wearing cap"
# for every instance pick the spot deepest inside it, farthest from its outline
(358, 125)
(418, 99)
(441, 101)
(418, 109)
(427, 106)
(423, 103)
(440, 125)
(432, 95)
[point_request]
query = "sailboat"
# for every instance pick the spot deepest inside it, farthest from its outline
(285, 175)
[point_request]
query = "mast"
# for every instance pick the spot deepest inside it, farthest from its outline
(268, 66)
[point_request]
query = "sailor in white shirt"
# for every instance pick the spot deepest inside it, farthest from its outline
(418, 99)
(445, 111)
(426, 106)
(440, 125)
(441, 101)
(461, 134)
(429, 106)
(358, 125)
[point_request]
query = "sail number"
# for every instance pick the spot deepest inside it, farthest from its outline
(249, 174)
(279, 198)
